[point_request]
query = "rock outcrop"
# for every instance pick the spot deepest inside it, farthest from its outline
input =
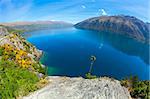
(80, 88)
(19, 43)
(3, 31)
(126, 25)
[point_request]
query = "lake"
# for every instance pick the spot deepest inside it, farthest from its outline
(67, 52)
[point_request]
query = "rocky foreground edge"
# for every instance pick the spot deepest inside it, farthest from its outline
(80, 88)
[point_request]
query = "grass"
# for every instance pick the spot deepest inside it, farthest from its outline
(16, 81)
(1, 51)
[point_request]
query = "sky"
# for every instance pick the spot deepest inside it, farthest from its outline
(72, 11)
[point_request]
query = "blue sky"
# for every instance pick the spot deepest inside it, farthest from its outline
(70, 10)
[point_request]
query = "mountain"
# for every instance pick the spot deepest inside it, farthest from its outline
(125, 25)
(37, 25)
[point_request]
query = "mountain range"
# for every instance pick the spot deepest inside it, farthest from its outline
(125, 25)
(36, 25)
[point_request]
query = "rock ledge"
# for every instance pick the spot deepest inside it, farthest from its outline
(80, 88)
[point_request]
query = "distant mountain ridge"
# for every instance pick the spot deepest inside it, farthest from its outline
(31, 22)
(126, 25)
(37, 25)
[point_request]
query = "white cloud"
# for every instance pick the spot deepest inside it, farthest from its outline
(83, 6)
(53, 20)
(103, 12)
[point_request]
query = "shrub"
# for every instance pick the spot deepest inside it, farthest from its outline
(1, 51)
(38, 67)
(15, 81)
(138, 89)
(89, 76)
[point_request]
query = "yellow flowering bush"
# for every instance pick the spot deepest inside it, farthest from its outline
(19, 56)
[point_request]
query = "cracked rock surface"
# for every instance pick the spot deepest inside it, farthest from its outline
(80, 88)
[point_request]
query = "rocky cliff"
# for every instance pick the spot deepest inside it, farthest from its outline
(17, 49)
(3, 31)
(20, 69)
(125, 25)
(80, 88)
(19, 43)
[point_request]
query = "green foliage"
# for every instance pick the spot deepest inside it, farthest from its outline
(15, 81)
(137, 88)
(10, 30)
(89, 76)
(38, 67)
(1, 51)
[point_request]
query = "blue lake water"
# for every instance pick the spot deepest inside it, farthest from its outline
(67, 52)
